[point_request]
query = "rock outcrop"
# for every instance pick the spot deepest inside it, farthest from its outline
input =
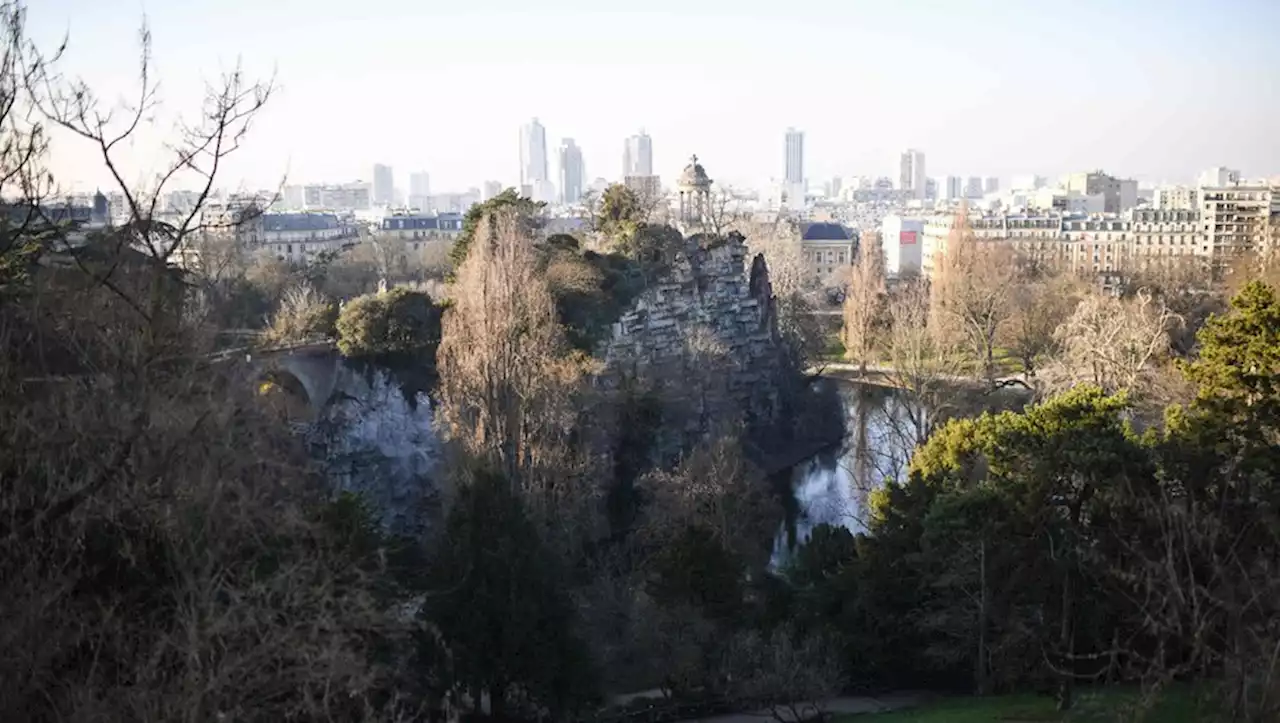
(705, 339)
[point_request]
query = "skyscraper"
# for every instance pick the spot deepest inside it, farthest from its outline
(795, 156)
(911, 173)
(571, 171)
(637, 156)
(990, 184)
(950, 189)
(491, 189)
(384, 185)
(533, 154)
(419, 190)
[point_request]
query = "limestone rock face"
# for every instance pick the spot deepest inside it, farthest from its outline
(706, 339)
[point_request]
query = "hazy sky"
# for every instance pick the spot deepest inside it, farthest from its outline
(1156, 89)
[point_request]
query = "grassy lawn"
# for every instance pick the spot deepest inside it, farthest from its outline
(1091, 707)
(832, 349)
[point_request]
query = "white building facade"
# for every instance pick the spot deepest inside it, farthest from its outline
(902, 239)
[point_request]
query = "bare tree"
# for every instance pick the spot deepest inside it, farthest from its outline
(304, 315)
(717, 488)
(390, 255)
(432, 259)
(1040, 306)
(1111, 342)
(1205, 594)
(510, 391)
(200, 151)
(971, 292)
(160, 550)
(25, 182)
(792, 677)
(724, 210)
(921, 363)
(794, 281)
(779, 240)
(864, 305)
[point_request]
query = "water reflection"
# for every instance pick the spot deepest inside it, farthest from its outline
(832, 487)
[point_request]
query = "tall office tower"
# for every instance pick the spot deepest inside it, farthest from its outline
(419, 190)
(571, 171)
(991, 184)
(911, 173)
(973, 187)
(420, 184)
(384, 185)
(637, 155)
(951, 189)
(533, 154)
(795, 156)
(491, 189)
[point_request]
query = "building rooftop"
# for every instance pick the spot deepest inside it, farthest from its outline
(299, 221)
(694, 175)
(826, 232)
(423, 221)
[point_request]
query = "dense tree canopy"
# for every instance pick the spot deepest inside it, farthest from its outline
(1055, 544)
(504, 619)
(525, 209)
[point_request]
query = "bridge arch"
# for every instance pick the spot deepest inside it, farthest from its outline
(284, 380)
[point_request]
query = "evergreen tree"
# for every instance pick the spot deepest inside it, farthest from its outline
(501, 608)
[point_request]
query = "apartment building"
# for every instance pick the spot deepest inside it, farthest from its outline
(1037, 237)
(1096, 245)
(1163, 236)
(300, 237)
(1119, 194)
(419, 229)
(338, 197)
(1104, 245)
(1175, 198)
(1235, 219)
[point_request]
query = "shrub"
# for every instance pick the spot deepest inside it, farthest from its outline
(399, 321)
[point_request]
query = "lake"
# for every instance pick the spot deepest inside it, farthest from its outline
(832, 487)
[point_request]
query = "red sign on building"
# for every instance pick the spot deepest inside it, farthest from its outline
(907, 238)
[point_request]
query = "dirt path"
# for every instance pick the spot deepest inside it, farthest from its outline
(845, 705)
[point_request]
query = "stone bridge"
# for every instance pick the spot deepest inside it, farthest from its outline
(308, 370)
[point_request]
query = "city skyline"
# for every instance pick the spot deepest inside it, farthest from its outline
(1142, 107)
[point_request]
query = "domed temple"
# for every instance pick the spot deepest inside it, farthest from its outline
(695, 194)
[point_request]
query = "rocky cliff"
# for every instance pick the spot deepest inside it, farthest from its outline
(705, 339)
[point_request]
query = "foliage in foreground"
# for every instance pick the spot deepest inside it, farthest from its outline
(1055, 545)
(500, 609)
(1095, 706)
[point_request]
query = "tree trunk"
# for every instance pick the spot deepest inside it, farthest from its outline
(980, 672)
(1066, 642)
(497, 701)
